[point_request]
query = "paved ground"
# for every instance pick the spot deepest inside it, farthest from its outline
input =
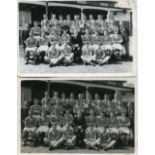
(42, 149)
(122, 67)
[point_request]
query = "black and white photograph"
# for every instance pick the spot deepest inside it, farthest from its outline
(77, 116)
(58, 37)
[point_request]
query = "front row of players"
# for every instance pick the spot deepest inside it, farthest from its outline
(103, 133)
(54, 49)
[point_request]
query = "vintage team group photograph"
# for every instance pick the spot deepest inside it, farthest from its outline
(77, 77)
(73, 116)
(76, 36)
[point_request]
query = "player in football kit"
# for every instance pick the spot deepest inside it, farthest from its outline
(45, 98)
(29, 129)
(76, 21)
(91, 139)
(73, 28)
(43, 46)
(113, 126)
(60, 21)
(66, 49)
(78, 104)
(106, 142)
(43, 127)
(70, 103)
(100, 122)
(97, 102)
(112, 27)
(91, 118)
(101, 57)
(31, 48)
(45, 21)
(87, 104)
(118, 104)
(55, 99)
(92, 24)
(36, 109)
(54, 56)
(55, 138)
(124, 131)
(87, 56)
(99, 20)
(106, 48)
(117, 44)
(67, 118)
(45, 25)
(65, 37)
(56, 117)
(105, 104)
(95, 40)
(86, 39)
(36, 30)
(58, 108)
(46, 107)
(69, 136)
(68, 21)
(68, 54)
(53, 21)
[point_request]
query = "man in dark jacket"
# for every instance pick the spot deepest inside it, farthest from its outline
(80, 126)
(76, 43)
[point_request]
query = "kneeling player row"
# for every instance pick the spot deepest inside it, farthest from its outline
(92, 53)
(64, 135)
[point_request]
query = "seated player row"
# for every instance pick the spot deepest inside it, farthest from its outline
(56, 49)
(77, 24)
(56, 131)
(64, 118)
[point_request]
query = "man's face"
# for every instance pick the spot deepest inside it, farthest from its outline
(64, 32)
(84, 17)
(75, 17)
(71, 95)
(26, 26)
(43, 114)
(99, 17)
(68, 17)
(56, 94)
(46, 94)
(26, 104)
(54, 16)
(91, 112)
(60, 18)
(105, 33)
(112, 115)
(31, 34)
(30, 114)
(43, 34)
(35, 24)
(67, 112)
(80, 96)
(90, 17)
(87, 32)
(96, 96)
(63, 95)
(44, 16)
(54, 126)
(106, 97)
(36, 101)
(96, 33)
(116, 31)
